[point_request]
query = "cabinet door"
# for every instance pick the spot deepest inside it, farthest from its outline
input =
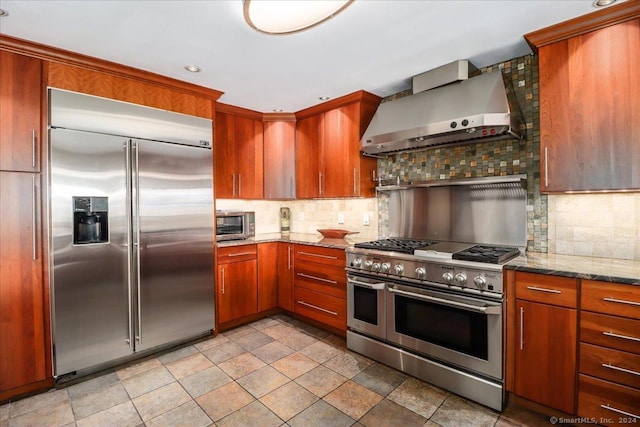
(285, 276)
(224, 157)
(308, 157)
(249, 158)
(237, 290)
(589, 109)
(20, 104)
(341, 151)
(22, 332)
(267, 276)
(546, 354)
(279, 160)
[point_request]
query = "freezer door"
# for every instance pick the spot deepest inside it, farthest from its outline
(173, 229)
(89, 279)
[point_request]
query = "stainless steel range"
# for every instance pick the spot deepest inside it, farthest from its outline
(435, 308)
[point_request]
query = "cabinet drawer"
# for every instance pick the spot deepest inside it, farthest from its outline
(610, 331)
(613, 365)
(547, 289)
(237, 253)
(607, 402)
(321, 255)
(611, 298)
(328, 280)
(324, 308)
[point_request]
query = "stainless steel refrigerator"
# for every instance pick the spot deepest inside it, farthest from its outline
(131, 229)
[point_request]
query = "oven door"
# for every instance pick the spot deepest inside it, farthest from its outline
(459, 330)
(366, 306)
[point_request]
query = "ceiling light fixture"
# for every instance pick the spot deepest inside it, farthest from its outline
(192, 68)
(602, 3)
(278, 17)
(3, 13)
(323, 98)
(277, 110)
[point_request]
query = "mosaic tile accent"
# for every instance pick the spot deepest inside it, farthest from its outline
(490, 158)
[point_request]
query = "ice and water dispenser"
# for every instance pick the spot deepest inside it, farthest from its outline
(90, 220)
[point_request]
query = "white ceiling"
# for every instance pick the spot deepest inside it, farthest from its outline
(375, 45)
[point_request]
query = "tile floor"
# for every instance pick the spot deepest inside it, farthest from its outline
(277, 371)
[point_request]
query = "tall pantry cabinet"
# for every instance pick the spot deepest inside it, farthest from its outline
(23, 315)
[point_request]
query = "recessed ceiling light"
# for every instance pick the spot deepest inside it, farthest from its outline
(323, 98)
(192, 68)
(277, 110)
(602, 3)
(279, 17)
(3, 13)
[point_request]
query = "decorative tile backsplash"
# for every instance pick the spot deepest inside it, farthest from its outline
(493, 158)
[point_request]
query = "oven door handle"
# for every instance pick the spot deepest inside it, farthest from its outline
(377, 286)
(491, 309)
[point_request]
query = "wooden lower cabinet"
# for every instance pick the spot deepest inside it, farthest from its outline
(608, 403)
(321, 307)
(286, 255)
(237, 284)
(267, 276)
(23, 314)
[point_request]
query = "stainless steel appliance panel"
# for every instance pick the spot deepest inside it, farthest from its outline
(173, 203)
(90, 298)
(366, 306)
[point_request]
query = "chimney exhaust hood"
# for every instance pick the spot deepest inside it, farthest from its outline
(473, 109)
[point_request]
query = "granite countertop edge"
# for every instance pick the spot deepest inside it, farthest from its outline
(301, 238)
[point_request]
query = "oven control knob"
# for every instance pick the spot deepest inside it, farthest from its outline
(421, 273)
(399, 269)
(447, 277)
(368, 264)
(460, 279)
(376, 267)
(385, 267)
(480, 282)
(357, 263)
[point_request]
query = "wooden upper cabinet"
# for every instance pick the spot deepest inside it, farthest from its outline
(590, 104)
(328, 142)
(238, 154)
(23, 358)
(279, 156)
(20, 107)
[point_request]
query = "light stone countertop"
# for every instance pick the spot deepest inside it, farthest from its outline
(302, 238)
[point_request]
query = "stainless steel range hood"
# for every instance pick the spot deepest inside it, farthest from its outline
(473, 109)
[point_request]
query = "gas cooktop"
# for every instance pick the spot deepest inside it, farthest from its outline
(405, 246)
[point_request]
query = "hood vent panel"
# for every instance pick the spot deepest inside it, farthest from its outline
(476, 108)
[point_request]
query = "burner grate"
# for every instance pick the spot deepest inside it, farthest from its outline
(487, 254)
(406, 246)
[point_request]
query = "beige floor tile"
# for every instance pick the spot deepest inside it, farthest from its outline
(254, 414)
(224, 400)
(177, 354)
(380, 379)
(5, 423)
(236, 333)
(321, 414)
(204, 381)
(297, 340)
(58, 414)
(264, 323)
(348, 364)
(253, 340)
(456, 411)
(122, 415)
(289, 400)
(418, 396)
(50, 399)
(262, 381)
(518, 416)
(320, 351)
(273, 351)
(295, 365)
(241, 365)
(92, 384)
(189, 365)
(188, 415)
(321, 381)
(390, 414)
(100, 400)
(138, 367)
(223, 352)
(353, 399)
(147, 381)
(4, 412)
(211, 342)
(279, 331)
(161, 400)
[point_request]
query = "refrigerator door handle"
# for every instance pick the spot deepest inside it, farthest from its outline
(127, 160)
(136, 232)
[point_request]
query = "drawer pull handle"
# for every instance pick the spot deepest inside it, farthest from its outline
(324, 310)
(318, 255)
(621, 301)
(619, 411)
(521, 328)
(617, 368)
(551, 291)
(333, 282)
(624, 337)
(241, 254)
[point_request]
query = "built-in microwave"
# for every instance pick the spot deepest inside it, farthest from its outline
(233, 225)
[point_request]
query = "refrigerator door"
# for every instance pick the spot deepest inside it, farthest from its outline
(173, 229)
(90, 278)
